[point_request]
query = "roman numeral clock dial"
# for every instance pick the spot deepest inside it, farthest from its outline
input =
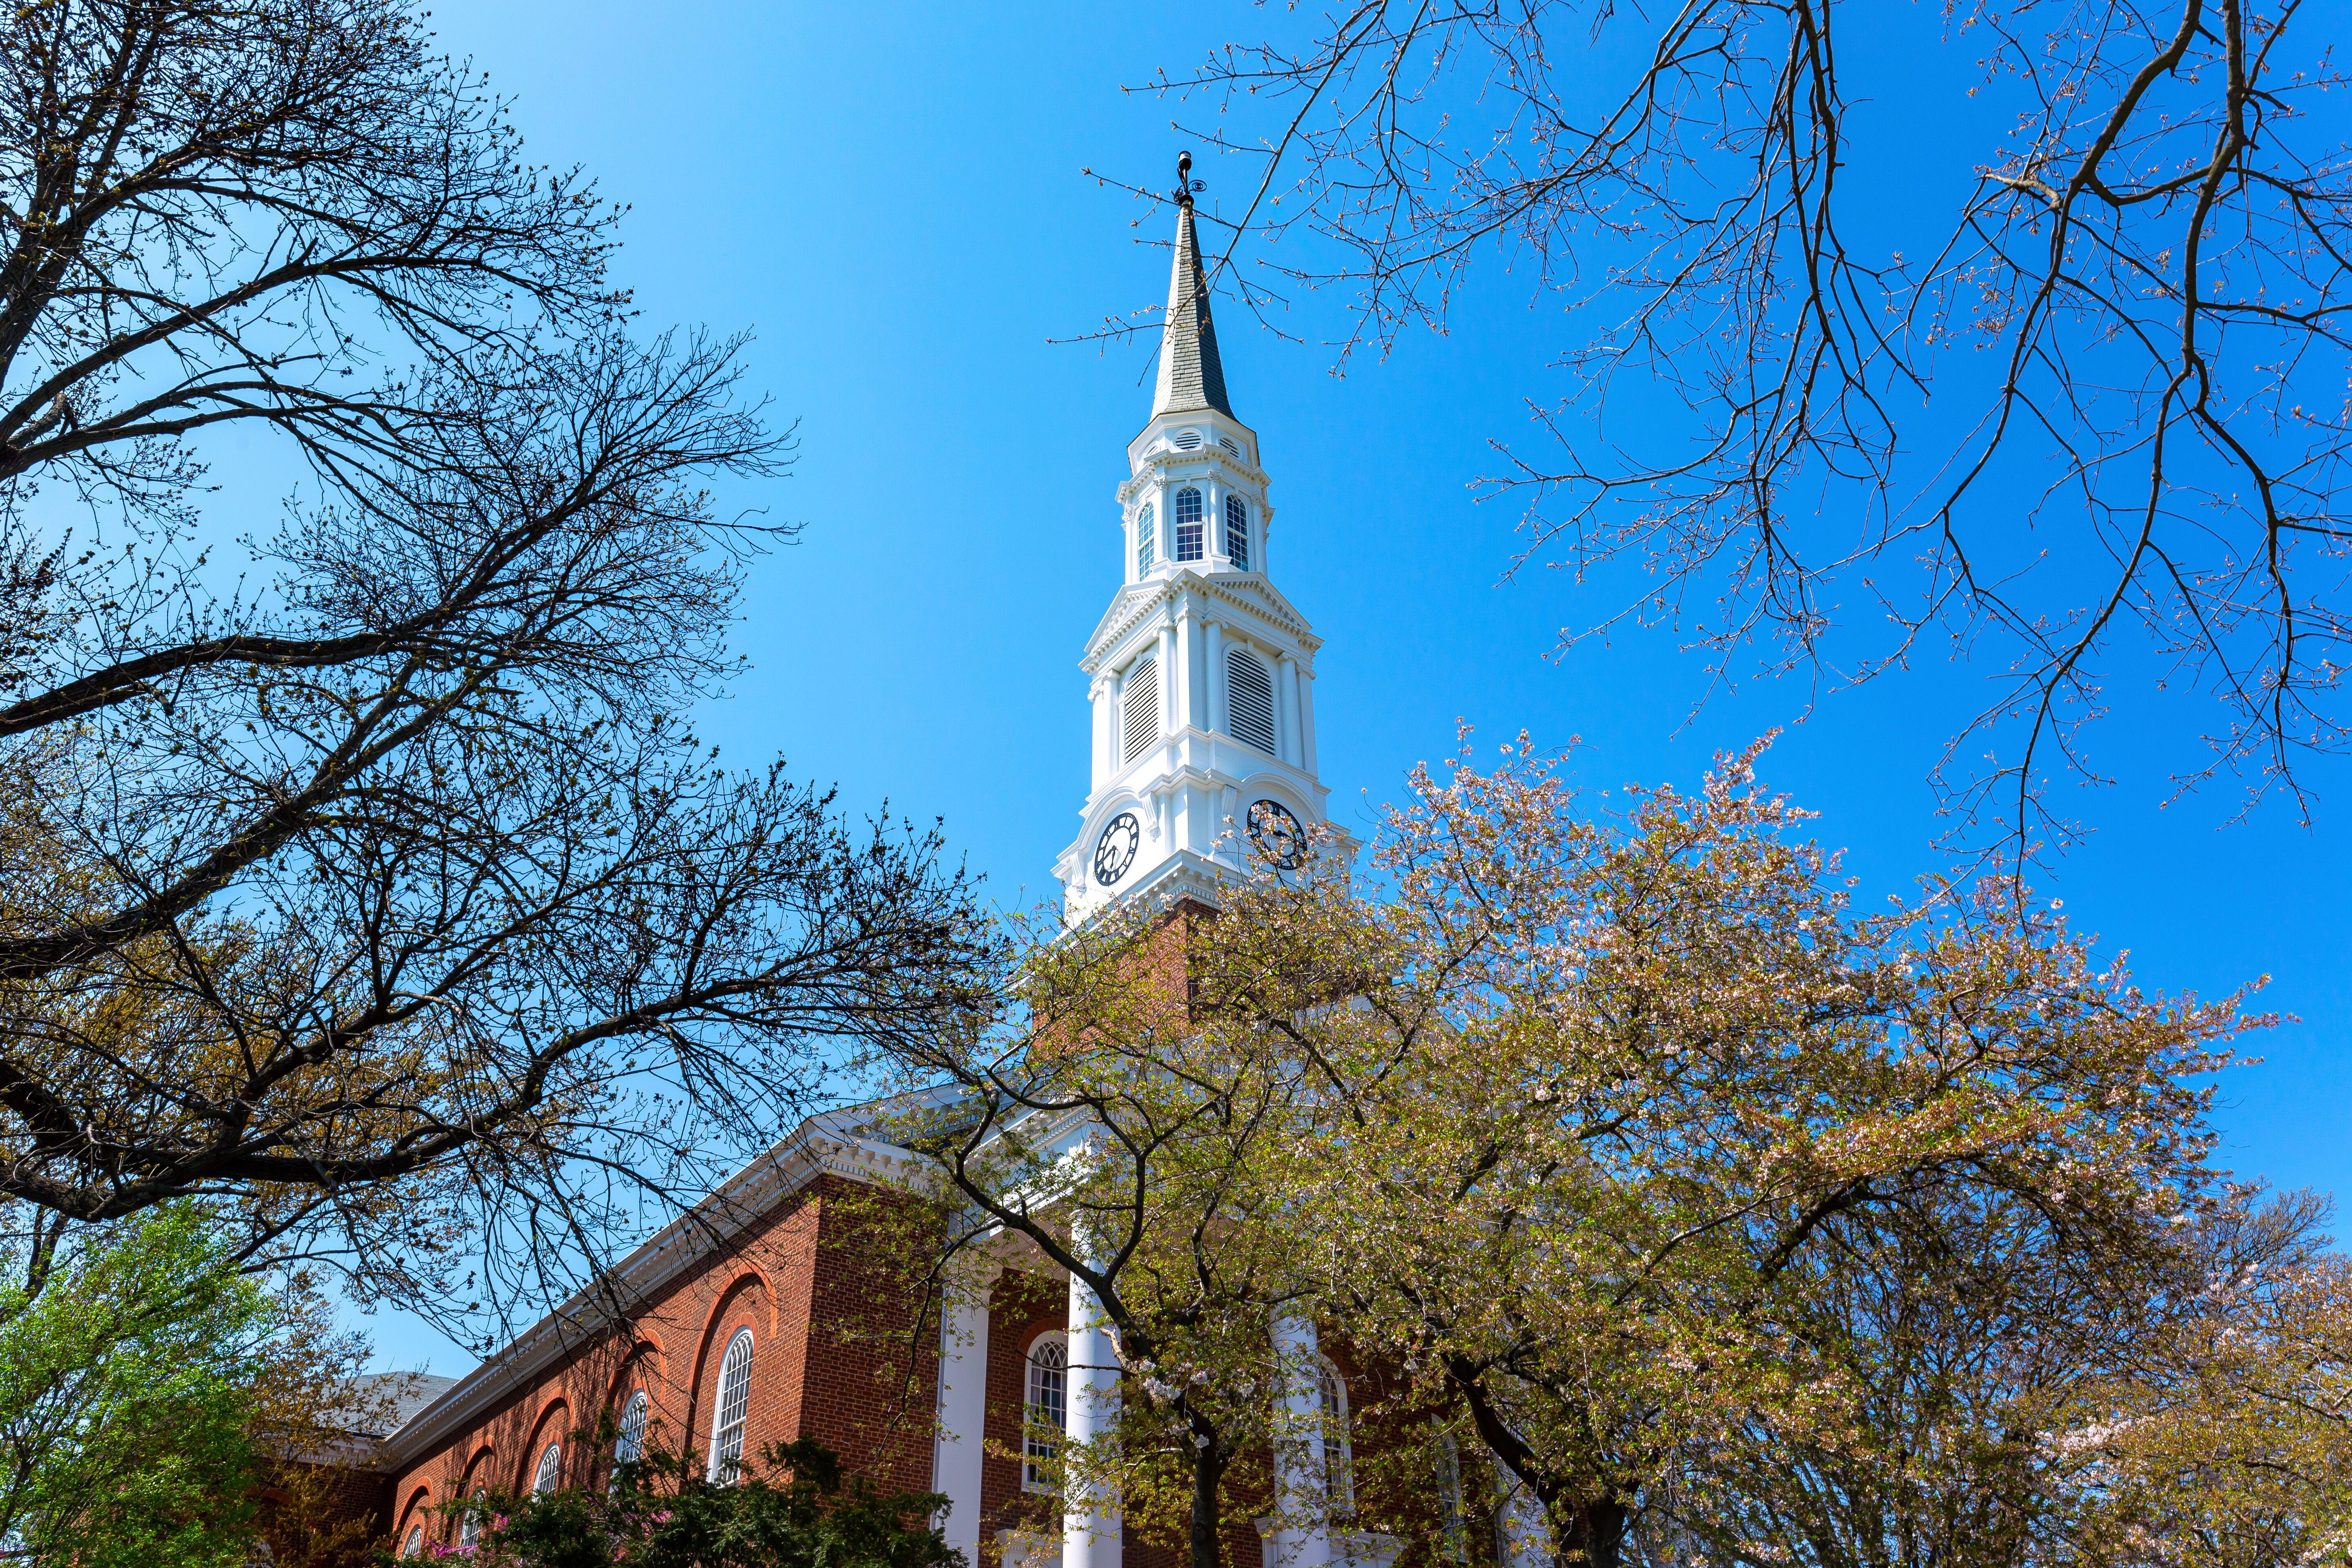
(1115, 850)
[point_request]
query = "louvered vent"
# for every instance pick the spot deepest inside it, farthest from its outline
(1139, 718)
(1251, 696)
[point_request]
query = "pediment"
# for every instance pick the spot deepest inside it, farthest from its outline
(1253, 592)
(1247, 591)
(1124, 606)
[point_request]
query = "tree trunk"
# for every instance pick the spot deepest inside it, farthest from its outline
(1594, 1536)
(1208, 1471)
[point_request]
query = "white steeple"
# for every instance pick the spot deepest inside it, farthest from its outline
(1202, 674)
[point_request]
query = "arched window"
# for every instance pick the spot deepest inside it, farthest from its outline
(1338, 1452)
(469, 1532)
(1188, 524)
(1449, 1501)
(1139, 711)
(733, 1409)
(550, 1469)
(629, 1443)
(416, 1541)
(1249, 698)
(1238, 531)
(1147, 541)
(1049, 1391)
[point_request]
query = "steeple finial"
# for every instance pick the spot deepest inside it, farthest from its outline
(1190, 376)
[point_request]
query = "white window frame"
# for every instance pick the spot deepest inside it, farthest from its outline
(550, 1469)
(469, 1527)
(1033, 1372)
(1338, 1447)
(1454, 1514)
(1176, 525)
(629, 1437)
(731, 1410)
(414, 1545)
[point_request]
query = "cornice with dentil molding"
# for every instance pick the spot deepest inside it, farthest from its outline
(1135, 602)
(1159, 462)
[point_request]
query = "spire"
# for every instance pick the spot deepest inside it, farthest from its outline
(1190, 375)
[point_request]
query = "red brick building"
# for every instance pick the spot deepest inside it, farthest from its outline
(766, 1268)
(764, 1317)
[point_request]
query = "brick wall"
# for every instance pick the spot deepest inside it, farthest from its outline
(323, 1515)
(1021, 1307)
(842, 1354)
(836, 1355)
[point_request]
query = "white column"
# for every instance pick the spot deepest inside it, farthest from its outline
(1287, 739)
(1090, 1522)
(963, 1409)
(1522, 1536)
(1303, 1536)
(1188, 653)
(1214, 717)
(1168, 678)
(1307, 720)
(1105, 694)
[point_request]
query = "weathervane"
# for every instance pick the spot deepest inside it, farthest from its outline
(1185, 184)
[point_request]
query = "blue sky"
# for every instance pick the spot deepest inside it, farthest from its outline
(891, 198)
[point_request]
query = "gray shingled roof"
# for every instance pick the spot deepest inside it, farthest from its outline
(1190, 375)
(368, 1408)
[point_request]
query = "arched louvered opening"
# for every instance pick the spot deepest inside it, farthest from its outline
(1147, 545)
(1188, 524)
(734, 1410)
(1048, 1401)
(1139, 712)
(1249, 694)
(1238, 531)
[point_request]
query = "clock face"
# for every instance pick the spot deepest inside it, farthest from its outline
(1277, 834)
(1115, 850)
